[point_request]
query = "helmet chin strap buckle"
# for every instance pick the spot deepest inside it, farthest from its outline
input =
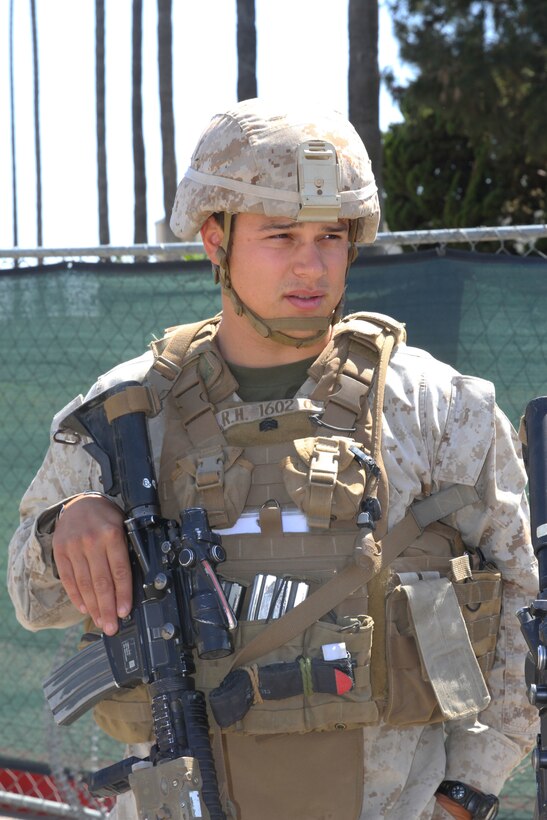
(318, 182)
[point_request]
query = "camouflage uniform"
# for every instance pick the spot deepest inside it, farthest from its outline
(439, 428)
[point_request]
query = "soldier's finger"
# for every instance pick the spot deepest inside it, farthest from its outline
(68, 580)
(102, 591)
(120, 570)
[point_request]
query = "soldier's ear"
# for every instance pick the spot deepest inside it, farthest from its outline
(212, 236)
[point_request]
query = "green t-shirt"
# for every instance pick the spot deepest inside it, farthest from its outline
(267, 383)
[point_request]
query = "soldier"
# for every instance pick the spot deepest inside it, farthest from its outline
(312, 440)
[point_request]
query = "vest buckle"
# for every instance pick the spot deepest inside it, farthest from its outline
(210, 471)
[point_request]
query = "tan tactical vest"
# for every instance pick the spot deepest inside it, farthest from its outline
(260, 468)
(261, 462)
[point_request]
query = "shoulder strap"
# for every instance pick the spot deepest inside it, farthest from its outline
(420, 515)
(381, 333)
(169, 354)
(370, 339)
(176, 373)
(369, 325)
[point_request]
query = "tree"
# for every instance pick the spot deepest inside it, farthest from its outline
(434, 179)
(481, 86)
(165, 65)
(140, 213)
(102, 178)
(483, 61)
(246, 50)
(37, 147)
(364, 79)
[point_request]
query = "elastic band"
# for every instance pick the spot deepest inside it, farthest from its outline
(307, 683)
(261, 192)
(252, 672)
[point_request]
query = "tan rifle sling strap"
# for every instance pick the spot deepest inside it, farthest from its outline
(327, 597)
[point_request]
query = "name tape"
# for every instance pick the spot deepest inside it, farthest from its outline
(264, 410)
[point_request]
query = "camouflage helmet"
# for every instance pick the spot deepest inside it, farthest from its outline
(255, 158)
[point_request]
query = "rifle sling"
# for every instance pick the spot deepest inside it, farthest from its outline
(280, 631)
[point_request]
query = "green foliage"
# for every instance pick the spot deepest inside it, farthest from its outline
(473, 147)
(435, 177)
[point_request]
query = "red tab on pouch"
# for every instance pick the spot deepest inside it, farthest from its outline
(343, 682)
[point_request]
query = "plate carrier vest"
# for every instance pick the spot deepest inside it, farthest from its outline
(316, 459)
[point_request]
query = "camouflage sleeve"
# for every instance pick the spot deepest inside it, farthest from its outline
(38, 596)
(483, 753)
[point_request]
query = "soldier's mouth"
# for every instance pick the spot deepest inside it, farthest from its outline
(305, 301)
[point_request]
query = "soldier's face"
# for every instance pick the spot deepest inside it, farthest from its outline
(283, 268)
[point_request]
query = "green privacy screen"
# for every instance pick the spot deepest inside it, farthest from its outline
(61, 326)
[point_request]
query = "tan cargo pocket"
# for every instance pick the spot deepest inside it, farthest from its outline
(304, 713)
(324, 479)
(218, 479)
(411, 697)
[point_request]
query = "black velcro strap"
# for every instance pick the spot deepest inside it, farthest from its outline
(234, 697)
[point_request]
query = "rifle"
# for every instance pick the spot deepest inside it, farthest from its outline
(178, 606)
(533, 619)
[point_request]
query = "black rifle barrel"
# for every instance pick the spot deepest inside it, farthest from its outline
(536, 465)
(189, 734)
(533, 619)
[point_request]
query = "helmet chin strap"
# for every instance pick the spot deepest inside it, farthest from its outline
(274, 328)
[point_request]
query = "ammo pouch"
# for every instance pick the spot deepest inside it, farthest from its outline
(309, 711)
(217, 478)
(440, 640)
(324, 479)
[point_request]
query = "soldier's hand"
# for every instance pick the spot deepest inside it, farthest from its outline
(91, 556)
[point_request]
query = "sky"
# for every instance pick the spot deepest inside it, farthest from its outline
(302, 53)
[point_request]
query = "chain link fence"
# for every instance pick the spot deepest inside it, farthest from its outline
(64, 320)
